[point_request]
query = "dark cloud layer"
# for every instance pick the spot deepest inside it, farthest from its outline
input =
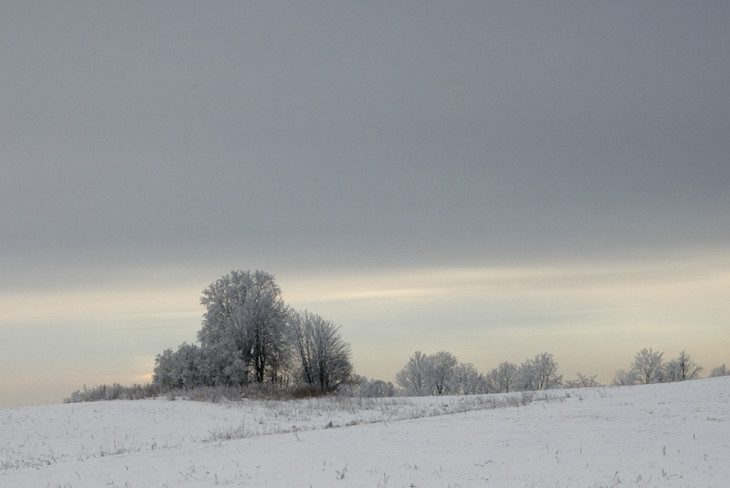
(351, 134)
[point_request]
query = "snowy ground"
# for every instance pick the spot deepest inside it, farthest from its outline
(674, 435)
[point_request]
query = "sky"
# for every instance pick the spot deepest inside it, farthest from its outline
(495, 179)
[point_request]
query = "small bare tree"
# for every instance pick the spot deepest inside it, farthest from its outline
(413, 378)
(721, 370)
(682, 368)
(624, 378)
(648, 366)
(467, 380)
(539, 373)
(443, 365)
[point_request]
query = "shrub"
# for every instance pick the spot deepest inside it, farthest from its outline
(115, 391)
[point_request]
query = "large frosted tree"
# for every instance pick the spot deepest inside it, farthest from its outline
(244, 311)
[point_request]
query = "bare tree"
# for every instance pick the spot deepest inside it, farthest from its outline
(624, 378)
(648, 366)
(721, 370)
(503, 378)
(467, 380)
(435, 374)
(682, 368)
(324, 357)
(373, 388)
(539, 373)
(414, 377)
(441, 375)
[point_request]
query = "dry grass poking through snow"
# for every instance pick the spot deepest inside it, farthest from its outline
(346, 411)
(674, 435)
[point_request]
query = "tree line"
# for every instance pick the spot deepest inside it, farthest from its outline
(649, 366)
(250, 337)
(442, 374)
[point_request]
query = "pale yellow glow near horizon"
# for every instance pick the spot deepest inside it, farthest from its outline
(618, 285)
(536, 280)
(169, 301)
(592, 316)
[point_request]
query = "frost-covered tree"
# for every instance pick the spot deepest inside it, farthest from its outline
(648, 366)
(366, 388)
(323, 356)
(179, 369)
(248, 334)
(162, 375)
(438, 374)
(443, 365)
(721, 370)
(245, 312)
(682, 368)
(624, 378)
(414, 378)
(539, 373)
(222, 365)
(467, 380)
(503, 378)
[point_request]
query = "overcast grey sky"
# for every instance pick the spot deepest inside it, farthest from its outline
(367, 148)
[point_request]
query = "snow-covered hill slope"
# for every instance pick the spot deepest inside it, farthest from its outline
(673, 435)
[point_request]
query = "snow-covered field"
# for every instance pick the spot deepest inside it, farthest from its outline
(672, 435)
